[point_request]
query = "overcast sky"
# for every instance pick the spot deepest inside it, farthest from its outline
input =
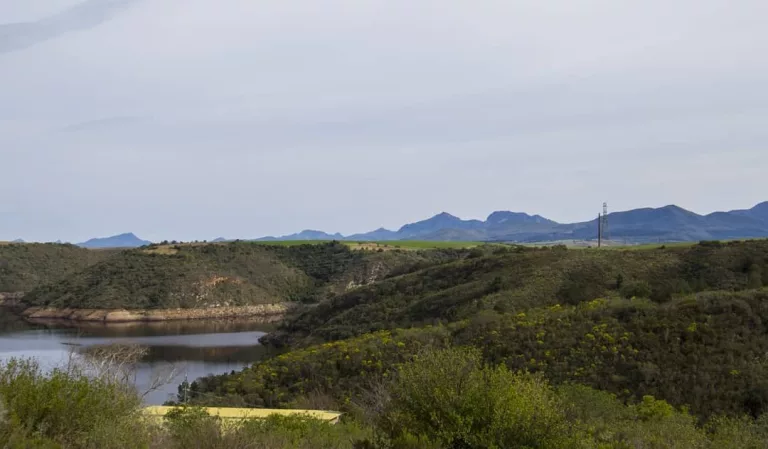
(194, 119)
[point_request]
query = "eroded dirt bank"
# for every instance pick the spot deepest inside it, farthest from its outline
(267, 311)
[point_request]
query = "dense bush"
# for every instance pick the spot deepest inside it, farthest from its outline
(514, 281)
(441, 399)
(705, 351)
(451, 399)
(26, 266)
(636, 289)
(66, 409)
(232, 274)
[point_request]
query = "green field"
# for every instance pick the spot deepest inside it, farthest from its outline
(390, 244)
(646, 246)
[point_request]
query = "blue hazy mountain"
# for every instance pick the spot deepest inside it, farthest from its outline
(127, 240)
(379, 234)
(668, 223)
(441, 221)
(759, 212)
(307, 234)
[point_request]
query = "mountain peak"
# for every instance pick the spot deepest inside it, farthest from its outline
(507, 218)
(125, 240)
(759, 211)
(441, 221)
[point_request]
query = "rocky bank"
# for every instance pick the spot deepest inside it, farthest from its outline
(270, 311)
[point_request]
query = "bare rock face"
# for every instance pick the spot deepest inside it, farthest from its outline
(370, 275)
(123, 315)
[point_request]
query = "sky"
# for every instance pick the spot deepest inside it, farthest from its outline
(196, 119)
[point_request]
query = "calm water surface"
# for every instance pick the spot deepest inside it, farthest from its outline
(191, 348)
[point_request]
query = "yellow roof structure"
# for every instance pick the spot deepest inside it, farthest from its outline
(250, 413)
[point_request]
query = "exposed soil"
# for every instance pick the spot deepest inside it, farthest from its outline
(271, 311)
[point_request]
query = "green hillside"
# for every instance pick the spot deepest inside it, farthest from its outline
(230, 274)
(687, 325)
(514, 279)
(706, 352)
(24, 266)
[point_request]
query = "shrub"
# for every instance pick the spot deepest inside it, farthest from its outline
(583, 282)
(636, 289)
(193, 428)
(450, 398)
(65, 407)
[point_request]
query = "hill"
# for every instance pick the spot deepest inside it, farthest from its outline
(228, 274)
(516, 279)
(127, 240)
(26, 266)
(669, 223)
(306, 234)
(686, 324)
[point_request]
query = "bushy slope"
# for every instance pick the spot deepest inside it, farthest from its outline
(689, 325)
(516, 279)
(24, 266)
(231, 274)
(706, 351)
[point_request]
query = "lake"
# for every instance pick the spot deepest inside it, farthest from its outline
(191, 349)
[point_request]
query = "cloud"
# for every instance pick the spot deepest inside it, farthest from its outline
(86, 15)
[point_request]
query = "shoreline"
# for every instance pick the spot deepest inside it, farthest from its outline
(267, 311)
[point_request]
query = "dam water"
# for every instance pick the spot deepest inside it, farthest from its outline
(174, 350)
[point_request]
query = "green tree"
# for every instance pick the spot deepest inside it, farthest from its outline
(635, 289)
(449, 397)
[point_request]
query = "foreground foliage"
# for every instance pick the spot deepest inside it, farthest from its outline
(705, 351)
(441, 399)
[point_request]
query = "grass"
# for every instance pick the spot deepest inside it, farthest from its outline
(425, 244)
(659, 245)
(647, 246)
(388, 244)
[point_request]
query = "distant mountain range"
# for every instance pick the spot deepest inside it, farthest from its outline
(127, 240)
(663, 224)
(669, 223)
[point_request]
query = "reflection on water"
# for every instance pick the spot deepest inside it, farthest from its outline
(193, 348)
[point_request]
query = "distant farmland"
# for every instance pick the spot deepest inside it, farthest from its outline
(385, 245)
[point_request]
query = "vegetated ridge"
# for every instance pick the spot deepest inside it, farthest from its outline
(24, 266)
(199, 276)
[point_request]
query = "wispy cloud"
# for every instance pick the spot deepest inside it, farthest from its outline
(86, 15)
